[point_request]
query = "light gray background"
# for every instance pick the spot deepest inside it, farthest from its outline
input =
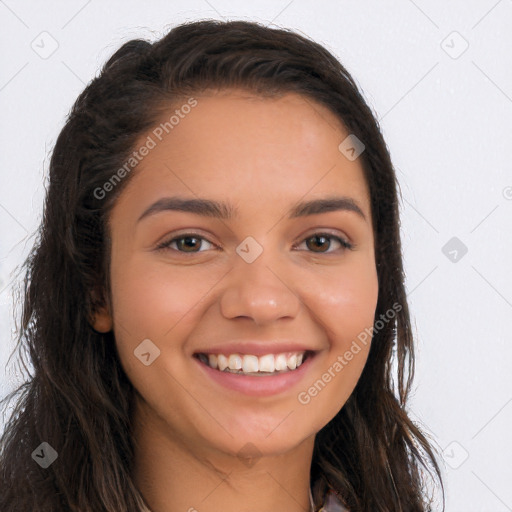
(446, 114)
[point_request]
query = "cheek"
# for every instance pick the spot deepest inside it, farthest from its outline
(345, 307)
(149, 300)
(160, 303)
(346, 301)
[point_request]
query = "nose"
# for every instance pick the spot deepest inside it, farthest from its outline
(259, 292)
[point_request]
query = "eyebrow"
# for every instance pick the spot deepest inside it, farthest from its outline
(226, 211)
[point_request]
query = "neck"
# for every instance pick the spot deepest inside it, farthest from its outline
(176, 475)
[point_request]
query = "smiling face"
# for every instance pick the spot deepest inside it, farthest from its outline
(260, 281)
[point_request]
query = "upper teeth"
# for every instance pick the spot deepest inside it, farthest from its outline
(247, 363)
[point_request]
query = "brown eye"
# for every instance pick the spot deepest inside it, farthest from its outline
(323, 242)
(186, 243)
(319, 243)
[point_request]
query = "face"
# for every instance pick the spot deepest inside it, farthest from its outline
(261, 288)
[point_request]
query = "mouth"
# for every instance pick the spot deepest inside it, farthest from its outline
(253, 365)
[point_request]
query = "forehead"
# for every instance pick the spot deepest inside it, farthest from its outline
(234, 144)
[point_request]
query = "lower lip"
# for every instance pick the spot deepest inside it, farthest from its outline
(257, 385)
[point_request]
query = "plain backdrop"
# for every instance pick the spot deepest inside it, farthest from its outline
(438, 76)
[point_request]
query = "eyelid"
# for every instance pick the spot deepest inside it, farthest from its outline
(164, 245)
(328, 232)
(344, 241)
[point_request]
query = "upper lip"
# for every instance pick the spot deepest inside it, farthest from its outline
(257, 348)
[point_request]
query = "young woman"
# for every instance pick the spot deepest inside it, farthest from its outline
(215, 308)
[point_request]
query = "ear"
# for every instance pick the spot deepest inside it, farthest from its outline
(101, 319)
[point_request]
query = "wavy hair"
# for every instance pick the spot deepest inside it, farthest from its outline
(78, 398)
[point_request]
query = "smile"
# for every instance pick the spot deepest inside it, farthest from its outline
(248, 364)
(264, 375)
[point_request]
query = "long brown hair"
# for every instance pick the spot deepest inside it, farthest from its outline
(78, 399)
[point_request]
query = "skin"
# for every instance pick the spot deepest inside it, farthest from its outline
(263, 155)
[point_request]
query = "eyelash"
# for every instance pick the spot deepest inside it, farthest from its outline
(166, 244)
